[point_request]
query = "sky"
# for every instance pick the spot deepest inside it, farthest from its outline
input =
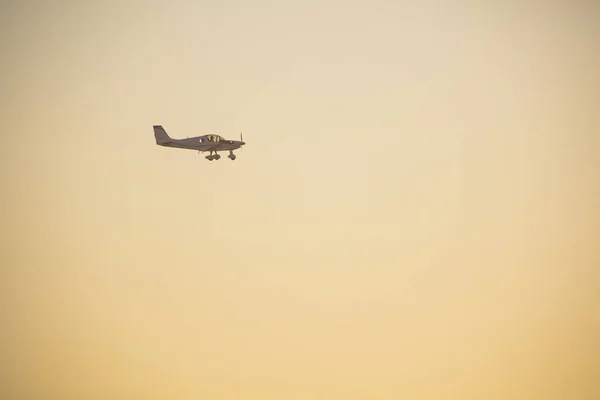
(414, 215)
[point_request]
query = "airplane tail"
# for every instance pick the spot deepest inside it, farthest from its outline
(161, 135)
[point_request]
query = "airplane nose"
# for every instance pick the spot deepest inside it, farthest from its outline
(243, 143)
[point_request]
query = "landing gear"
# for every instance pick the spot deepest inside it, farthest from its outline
(212, 156)
(231, 155)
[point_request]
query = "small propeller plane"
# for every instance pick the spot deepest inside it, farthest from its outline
(212, 143)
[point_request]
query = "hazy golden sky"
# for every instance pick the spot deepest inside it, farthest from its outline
(415, 214)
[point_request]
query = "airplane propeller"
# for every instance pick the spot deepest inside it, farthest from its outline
(241, 140)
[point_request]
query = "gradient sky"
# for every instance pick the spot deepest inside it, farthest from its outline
(414, 216)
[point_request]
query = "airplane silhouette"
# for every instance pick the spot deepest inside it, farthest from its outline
(212, 143)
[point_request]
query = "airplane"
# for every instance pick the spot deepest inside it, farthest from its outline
(212, 143)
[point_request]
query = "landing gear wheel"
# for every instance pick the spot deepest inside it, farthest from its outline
(210, 157)
(217, 156)
(231, 156)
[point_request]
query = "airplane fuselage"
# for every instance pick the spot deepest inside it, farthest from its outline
(195, 144)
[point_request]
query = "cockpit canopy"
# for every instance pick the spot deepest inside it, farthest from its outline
(214, 138)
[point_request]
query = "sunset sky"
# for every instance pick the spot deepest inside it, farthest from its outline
(415, 215)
